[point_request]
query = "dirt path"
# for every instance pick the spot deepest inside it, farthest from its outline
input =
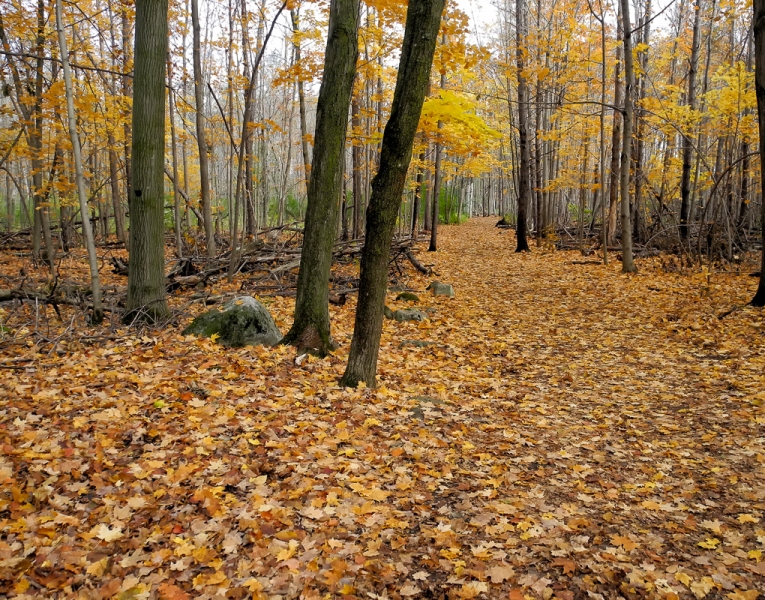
(571, 432)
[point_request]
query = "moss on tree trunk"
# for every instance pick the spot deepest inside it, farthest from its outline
(310, 329)
(422, 22)
(146, 277)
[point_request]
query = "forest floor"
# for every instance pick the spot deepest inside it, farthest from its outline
(571, 432)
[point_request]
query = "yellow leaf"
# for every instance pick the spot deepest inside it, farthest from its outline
(214, 337)
(98, 568)
(746, 518)
(741, 595)
(683, 578)
(755, 555)
(624, 542)
(710, 543)
(375, 494)
(287, 553)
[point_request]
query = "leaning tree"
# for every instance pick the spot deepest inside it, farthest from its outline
(423, 19)
(310, 328)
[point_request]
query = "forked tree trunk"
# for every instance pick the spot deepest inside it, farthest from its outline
(146, 277)
(422, 23)
(759, 86)
(311, 328)
(628, 264)
(204, 168)
(95, 283)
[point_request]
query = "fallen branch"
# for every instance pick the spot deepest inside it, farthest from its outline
(417, 264)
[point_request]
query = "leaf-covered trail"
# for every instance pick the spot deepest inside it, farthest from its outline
(570, 430)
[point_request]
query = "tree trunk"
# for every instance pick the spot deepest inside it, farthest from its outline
(685, 182)
(356, 167)
(616, 138)
(301, 99)
(524, 188)
(204, 169)
(95, 284)
(640, 142)
(416, 199)
(628, 265)
(146, 276)
(174, 150)
(311, 328)
(759, 86)
(126, 85)
(422, 23)
(437, 178)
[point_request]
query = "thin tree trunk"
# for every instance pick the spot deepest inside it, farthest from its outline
(357, 168)
(685, 182)
(523, 131)
(416, 199)
(436, 198)
(295, 15)
(422, 22)
(174, 149)
(204, 168)
(95, 283)
(628, 264)
(616, 138)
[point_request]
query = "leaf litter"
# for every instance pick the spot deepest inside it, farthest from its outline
(572, 432)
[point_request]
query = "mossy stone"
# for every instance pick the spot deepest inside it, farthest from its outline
(242, 322)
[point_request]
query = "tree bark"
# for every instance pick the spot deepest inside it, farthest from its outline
(294, 14)
(628, 264)
(422, 23)
(146, 276)
(95, 284)
(524, 188)
(311, 328)
(685, 182)
(759, 86)
(356, 166)
(204, 168)
(616, 137)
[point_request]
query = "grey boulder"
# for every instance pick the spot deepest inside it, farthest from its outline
(241, 322)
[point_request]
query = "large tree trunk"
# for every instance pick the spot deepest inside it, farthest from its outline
(759, 86)
(311, 327)
(146, 277)
(422, 23)
(95, 283)
(524, 187)
(628, 265)
(685, 182)
(204, 168)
